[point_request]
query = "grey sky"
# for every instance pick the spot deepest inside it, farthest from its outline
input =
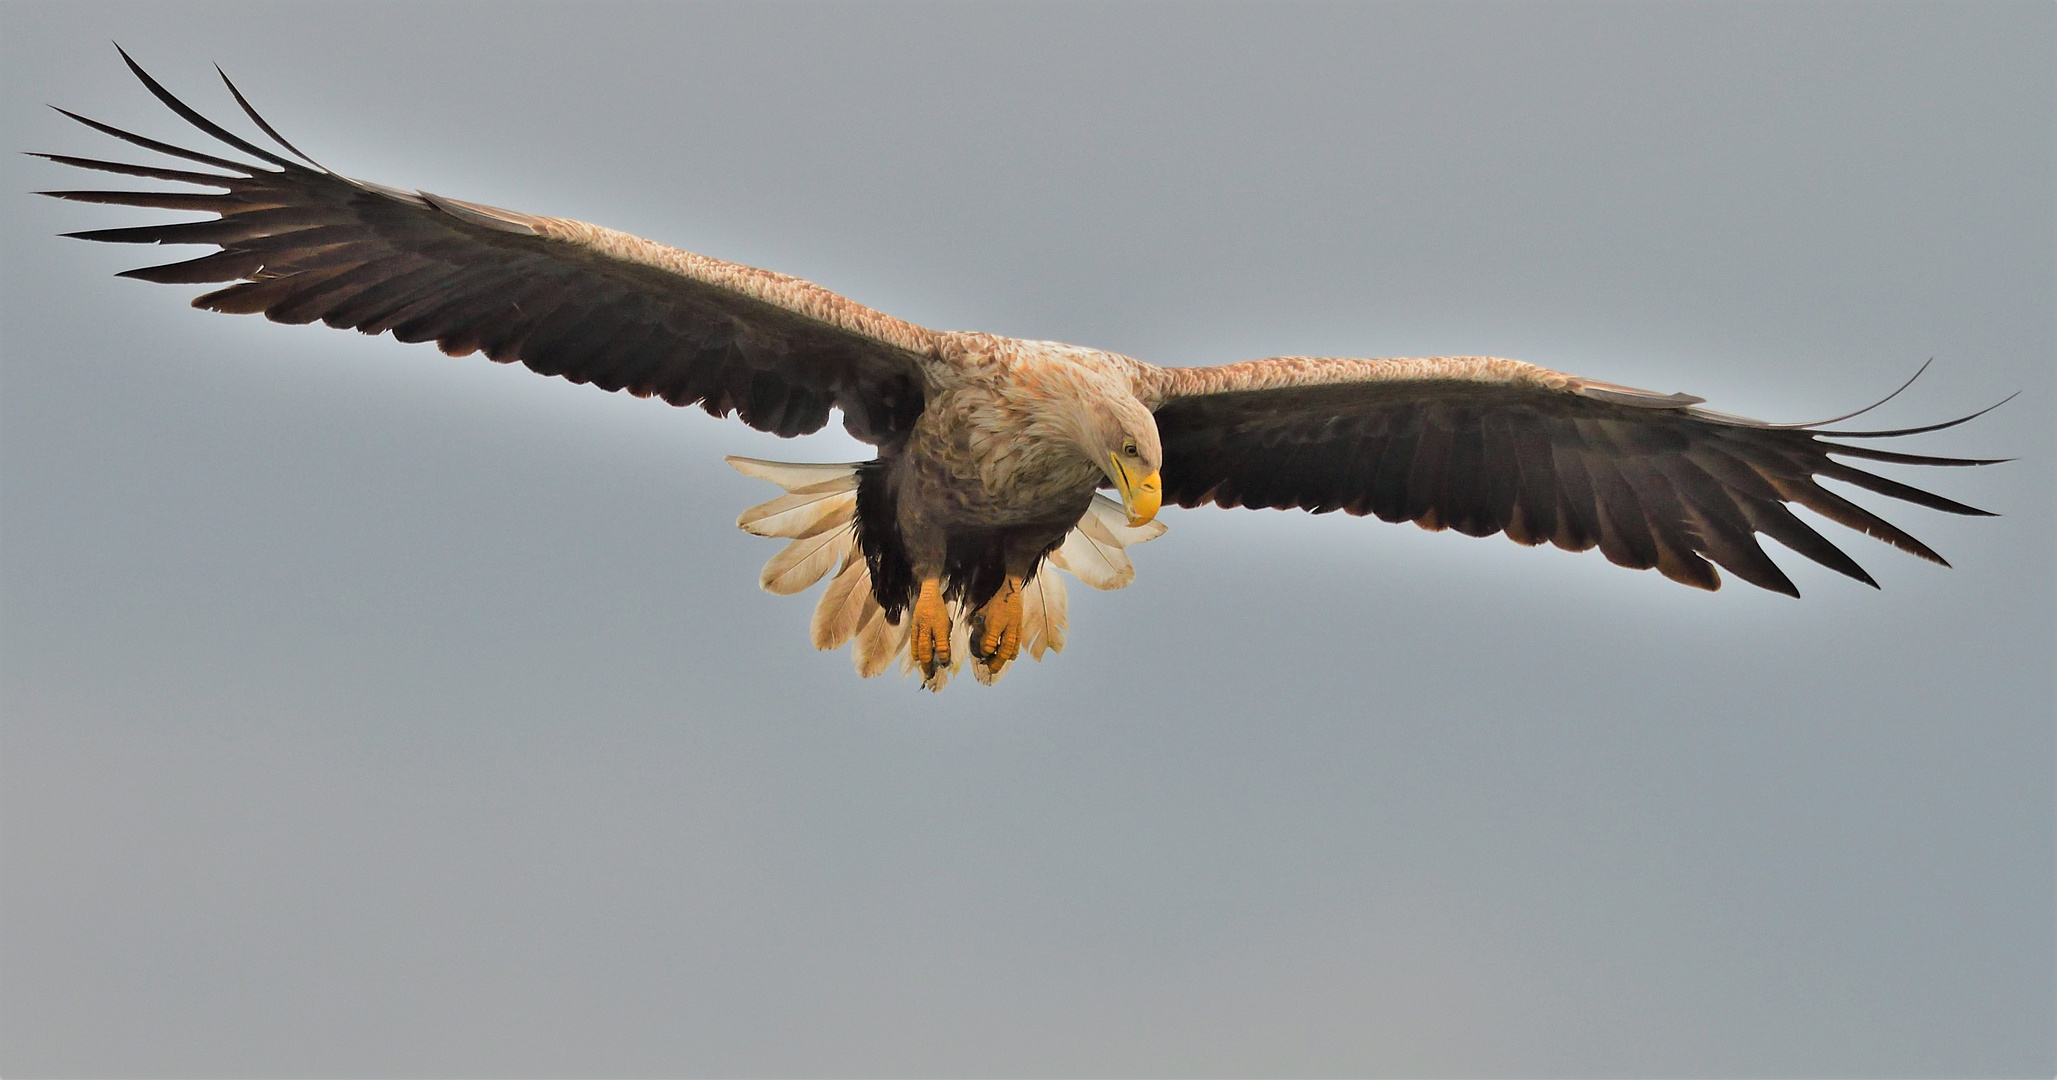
(374, 712)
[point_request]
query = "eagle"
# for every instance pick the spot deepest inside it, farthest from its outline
(999, 458)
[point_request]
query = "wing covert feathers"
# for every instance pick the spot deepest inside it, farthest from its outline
(816, 515)
(1483, 445)
(300, 244)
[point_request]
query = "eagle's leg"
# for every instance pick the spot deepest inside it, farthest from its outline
(929, 639)
(998, 639)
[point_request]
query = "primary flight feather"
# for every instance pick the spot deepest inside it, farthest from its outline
(991, 450)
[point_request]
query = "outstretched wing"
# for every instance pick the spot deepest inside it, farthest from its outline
(1483, 445)
(563, 297)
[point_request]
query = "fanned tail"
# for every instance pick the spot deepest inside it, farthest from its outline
(818, 514)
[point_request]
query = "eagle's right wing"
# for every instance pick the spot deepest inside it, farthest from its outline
(563, 297)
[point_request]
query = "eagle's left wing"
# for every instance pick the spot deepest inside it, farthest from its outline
(1485, 445)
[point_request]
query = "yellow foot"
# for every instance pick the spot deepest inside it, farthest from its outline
(999, 626)
(929, 641)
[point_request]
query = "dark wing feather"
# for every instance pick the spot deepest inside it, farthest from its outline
(1484, 446)
(302, 244)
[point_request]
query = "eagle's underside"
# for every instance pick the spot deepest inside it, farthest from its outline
(990, 449)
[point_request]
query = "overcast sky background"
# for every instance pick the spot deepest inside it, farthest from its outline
(372, 712)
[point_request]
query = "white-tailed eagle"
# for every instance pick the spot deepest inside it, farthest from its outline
(991, 451)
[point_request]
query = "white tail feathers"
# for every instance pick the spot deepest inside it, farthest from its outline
(805, 561)
(792, 475)
(1043, 615)
(803, 513)
(818, 513)
(841, 613)
(1093, 551)
(879, 642)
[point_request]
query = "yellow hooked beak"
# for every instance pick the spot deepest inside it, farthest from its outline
(1140, 498)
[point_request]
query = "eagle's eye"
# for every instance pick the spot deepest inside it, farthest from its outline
(1129, 448)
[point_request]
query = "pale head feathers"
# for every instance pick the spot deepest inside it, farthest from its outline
(1058, 411)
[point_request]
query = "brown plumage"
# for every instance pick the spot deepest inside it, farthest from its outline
(1483, 445)
(990, 449)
